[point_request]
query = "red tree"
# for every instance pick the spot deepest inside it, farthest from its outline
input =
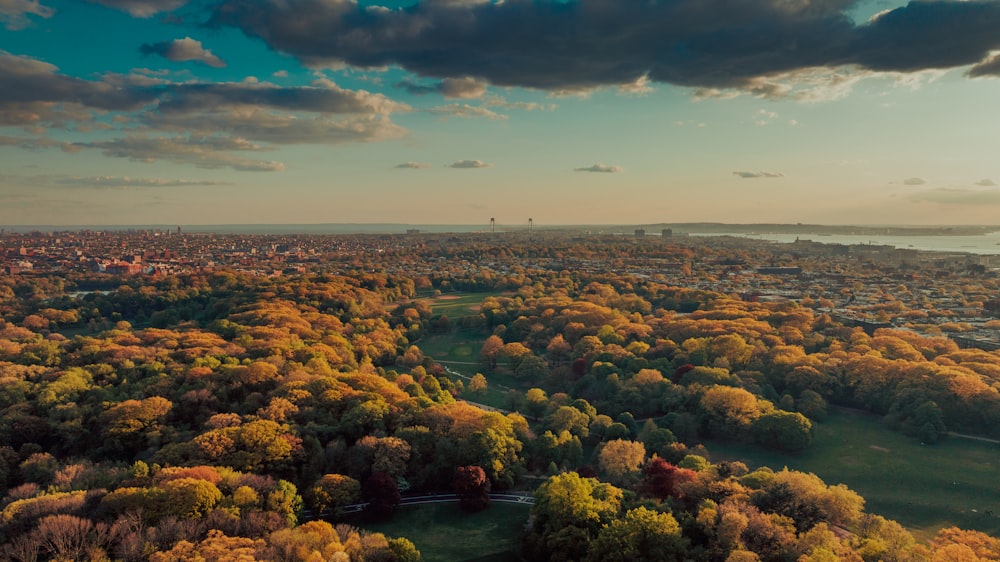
(660, 478)
(472, 487)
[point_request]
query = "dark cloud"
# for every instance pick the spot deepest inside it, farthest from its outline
(13, 13)
(413, 166)
(181, 50)
(989, 67)
(470, 164)
(574, 45)
(986, 182)
(914, 181)
(759, 174)
(601, 168)
(32, 89)
(142, 8)
(204, 122)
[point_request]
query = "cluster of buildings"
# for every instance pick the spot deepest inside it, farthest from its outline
(871, 286)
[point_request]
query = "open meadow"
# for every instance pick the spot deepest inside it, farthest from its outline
(444, 533)
(924, 487)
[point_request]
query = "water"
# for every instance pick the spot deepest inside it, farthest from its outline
(986, 244)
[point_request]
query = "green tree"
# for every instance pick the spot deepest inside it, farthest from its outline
(641, 536)
(568, 513)
(789, 431)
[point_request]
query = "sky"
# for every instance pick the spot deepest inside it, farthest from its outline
(455, 111)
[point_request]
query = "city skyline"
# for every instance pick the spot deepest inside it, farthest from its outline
(448, 111)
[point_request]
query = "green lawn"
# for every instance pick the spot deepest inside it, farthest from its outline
(457, 305)
(924, 487)
(459, 351)
(444, 533)
(460, 346)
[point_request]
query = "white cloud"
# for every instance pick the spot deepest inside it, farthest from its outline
(466, 111)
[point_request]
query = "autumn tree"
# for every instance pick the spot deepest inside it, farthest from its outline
(381, 491)
(334, 491)
(472, 487)
(620, 460)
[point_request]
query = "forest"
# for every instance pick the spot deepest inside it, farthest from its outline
(222, 415)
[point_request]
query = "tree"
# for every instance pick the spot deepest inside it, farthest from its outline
(621, 459)
(490, 352)
(569, 511)
(381, 491)
(660, 479)
(186, 498)
(334, 491)
(477, 384)
(642, 535)
(472, 487)
(536, 401)
(729, 411)
(789, 431)
(558, 350)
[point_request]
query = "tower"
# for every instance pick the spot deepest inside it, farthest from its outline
(493, 225)
(530, 225)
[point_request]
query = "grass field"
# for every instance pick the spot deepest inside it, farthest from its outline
(457, 305)
(444, 533)
(924, 487)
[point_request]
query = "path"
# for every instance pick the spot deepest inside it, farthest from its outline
(524, 499)
(973, 437)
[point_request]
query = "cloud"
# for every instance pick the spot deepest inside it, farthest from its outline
(585, 44)
(462, 88)
(36, 97)
(13, 13)
(469, 164)
(142, 8)
(124, 181)
(203, 152)
(35, 93)
(466, 111)
(988, 67)
(914, 181)
(601, 168)
(413, 165)
(758, 174)
(181, 50)
(986, 182)
(35, 143)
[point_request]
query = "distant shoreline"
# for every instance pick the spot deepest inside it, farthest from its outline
(651, 229)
